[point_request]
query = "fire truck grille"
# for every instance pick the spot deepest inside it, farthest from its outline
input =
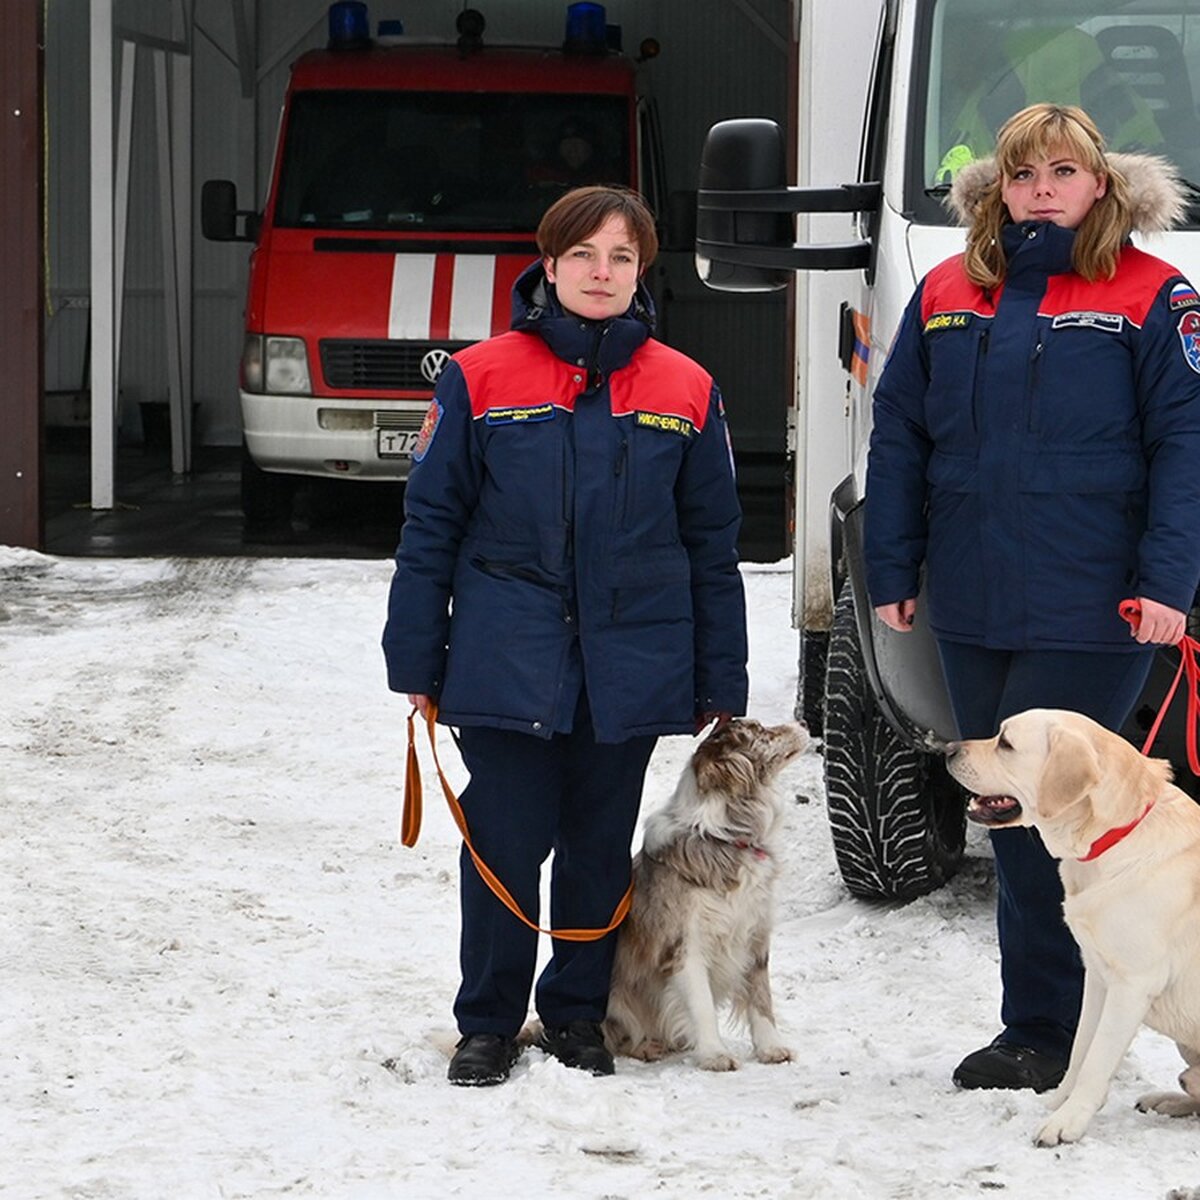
(380, 365)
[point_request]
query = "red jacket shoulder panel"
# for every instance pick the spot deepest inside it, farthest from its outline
(947, 289)
(517, 370)
(661, 380)
(1130, 292)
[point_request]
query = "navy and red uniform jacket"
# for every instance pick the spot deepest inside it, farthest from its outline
(571, 520)
(1037, 448)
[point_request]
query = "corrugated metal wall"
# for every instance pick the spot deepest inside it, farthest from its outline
(719, 58)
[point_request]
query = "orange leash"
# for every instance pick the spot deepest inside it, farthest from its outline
(1131, 610)
(410, 829)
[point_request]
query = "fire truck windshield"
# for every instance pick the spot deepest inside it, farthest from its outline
(452, 162)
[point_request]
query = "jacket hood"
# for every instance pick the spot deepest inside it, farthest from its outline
(1158, 197)
(534, 297)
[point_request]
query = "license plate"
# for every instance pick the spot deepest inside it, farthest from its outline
(395, 443)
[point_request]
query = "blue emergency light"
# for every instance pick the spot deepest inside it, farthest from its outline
(587, 29)
(349, 26)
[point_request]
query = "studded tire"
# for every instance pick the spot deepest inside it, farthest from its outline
(897, 818)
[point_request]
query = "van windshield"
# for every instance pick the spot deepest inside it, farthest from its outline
(1134, 67)
(444, 161)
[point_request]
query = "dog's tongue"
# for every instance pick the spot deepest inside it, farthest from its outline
(989, 810)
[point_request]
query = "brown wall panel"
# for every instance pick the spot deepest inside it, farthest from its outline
(20, 273)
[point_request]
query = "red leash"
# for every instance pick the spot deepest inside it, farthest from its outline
(1131, 610)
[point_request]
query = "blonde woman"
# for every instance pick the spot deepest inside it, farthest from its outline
(1035, 451)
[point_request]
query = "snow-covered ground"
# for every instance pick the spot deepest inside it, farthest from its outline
(224, 977)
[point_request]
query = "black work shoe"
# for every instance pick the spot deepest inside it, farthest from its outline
(482, 1060)
(1003, 1065)
(578, 1044)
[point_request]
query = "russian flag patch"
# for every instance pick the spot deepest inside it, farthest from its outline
(1183, 295)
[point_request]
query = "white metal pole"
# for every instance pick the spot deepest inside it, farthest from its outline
(104, 388)
(166, 207)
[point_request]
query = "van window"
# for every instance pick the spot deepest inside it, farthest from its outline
(1134, 68)
(443, 161)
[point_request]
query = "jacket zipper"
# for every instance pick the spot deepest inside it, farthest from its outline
(1035, 365)
(621, 478)
(977, 390)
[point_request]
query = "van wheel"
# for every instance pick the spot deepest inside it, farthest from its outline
(266, 499)
(897, 818)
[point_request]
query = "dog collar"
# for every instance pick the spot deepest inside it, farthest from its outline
(1106, 841)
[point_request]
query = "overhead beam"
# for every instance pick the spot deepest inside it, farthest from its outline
(21, 297)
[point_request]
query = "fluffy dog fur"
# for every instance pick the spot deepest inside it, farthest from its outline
(1132, 903)
(699, 930)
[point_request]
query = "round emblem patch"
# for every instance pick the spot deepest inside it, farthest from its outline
(433, 418)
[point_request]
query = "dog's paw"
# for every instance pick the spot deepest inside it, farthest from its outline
(719, 1060)
(1066, 1125)
(1168, 1104)
(773, 1054)
(648, 1051)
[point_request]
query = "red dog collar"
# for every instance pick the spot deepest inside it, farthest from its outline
(1108, 840)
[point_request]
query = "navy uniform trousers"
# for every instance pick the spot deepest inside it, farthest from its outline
(1040, 969)
(529, 796)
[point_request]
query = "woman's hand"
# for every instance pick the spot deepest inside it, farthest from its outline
(1160, 625)
(898, 616)
(421, 703)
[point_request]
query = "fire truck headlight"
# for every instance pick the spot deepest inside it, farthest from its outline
(286, 367)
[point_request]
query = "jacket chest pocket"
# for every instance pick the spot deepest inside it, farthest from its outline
(956, 360)
(645, 471)
(527, 472)
(1080, 383)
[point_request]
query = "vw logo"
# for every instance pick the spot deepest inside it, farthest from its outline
(433, 363)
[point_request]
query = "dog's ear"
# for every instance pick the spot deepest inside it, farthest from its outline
(720, 761)
(1072, 770)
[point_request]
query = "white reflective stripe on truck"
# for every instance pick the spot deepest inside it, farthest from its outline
(413, 304)
(412, 293)
(472, 300)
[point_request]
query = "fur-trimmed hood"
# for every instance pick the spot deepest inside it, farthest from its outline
(1158, 198)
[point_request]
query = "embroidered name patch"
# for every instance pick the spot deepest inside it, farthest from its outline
(433, 418)
(1107, 322)
(1183, 295)
(951, 320)
(1189, 335)
(668, 424)
(517, 416)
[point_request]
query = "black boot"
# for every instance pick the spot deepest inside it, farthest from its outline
(1004, 1065)
(482, 1060)
(578, 1044)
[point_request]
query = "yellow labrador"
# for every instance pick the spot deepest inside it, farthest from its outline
(1129, 845)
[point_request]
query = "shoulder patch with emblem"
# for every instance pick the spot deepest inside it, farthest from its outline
(433, 418)
(1189, 335)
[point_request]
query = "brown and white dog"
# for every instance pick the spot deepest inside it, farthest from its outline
(699, 930)
(1129, 844)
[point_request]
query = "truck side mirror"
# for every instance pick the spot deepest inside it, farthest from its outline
(739, 156)
(744, 238)
(219, 213)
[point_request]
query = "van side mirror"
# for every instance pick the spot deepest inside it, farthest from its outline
(740, 156)
(219, 213)
(744, 239)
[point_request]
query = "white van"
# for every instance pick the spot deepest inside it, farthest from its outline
(944, 76)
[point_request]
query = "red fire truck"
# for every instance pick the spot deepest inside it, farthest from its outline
(407, 184)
